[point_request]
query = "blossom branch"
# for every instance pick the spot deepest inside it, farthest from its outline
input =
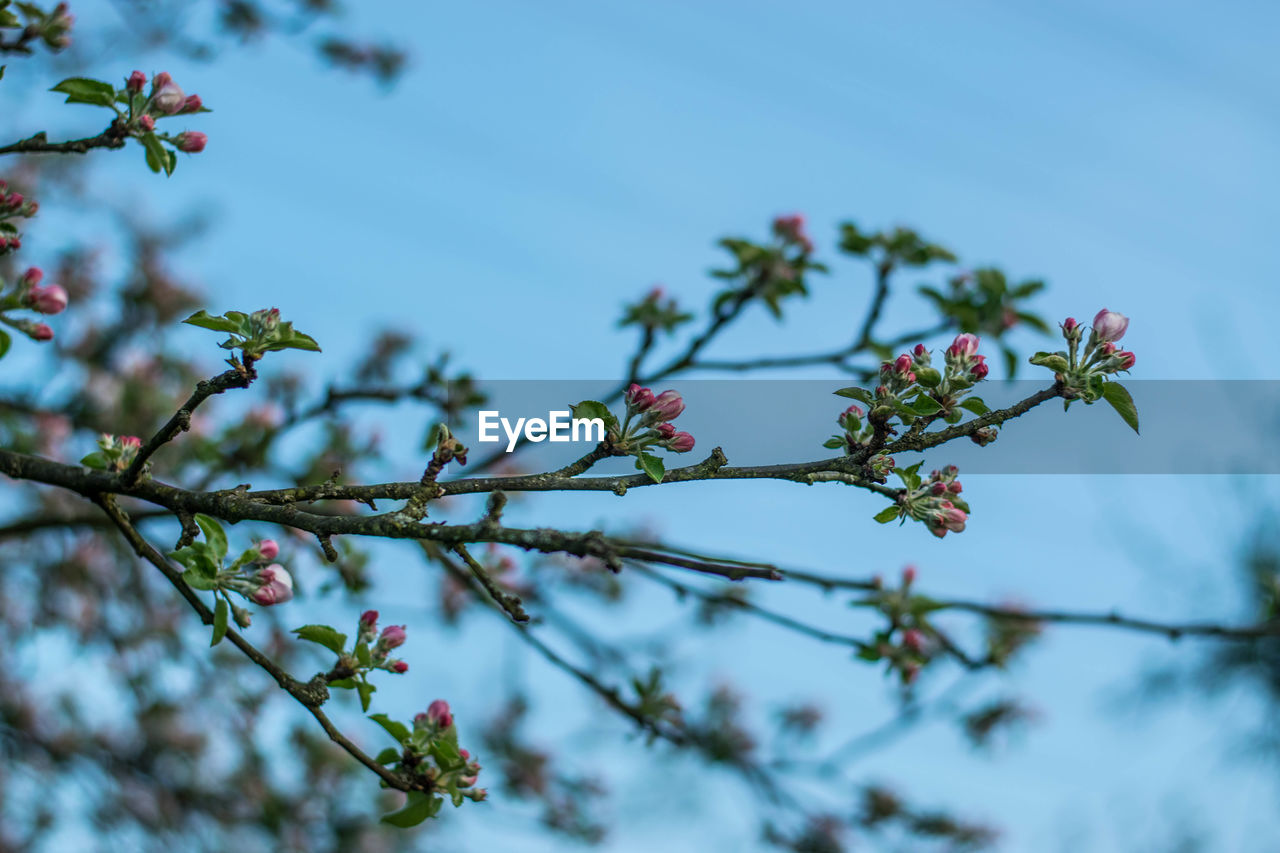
(181, 420)
(113, 137)
(310, 695)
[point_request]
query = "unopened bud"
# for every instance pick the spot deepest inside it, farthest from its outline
(191, 141)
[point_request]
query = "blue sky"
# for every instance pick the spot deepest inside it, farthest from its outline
(542, 163)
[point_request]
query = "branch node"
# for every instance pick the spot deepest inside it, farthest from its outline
(326, 545)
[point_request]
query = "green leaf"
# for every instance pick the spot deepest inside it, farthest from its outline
(197, 579)
(887, 514)
(592, 409)
(446, 754)
(219, 621)
(834, 443)
(860, 394)
(1052, 360)
(366, 690)
(330, 638)
(97, 459)
(82, 90)
(5, 342)
(158, 157)
(388, 756)
(1118, 396)
(651, 465)
(218, 324)
(418, 807)
(926, 406)
(363, 655)
(928, 377)
(975, 405)
(213, 534)
(396, 729)
(302, 342)
(344, 684)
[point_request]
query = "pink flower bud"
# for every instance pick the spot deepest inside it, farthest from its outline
(938, 488)
(854, 410)
(276, 586)
(908, 575)
(791, 229)
(15, 199)
(147, 123)
(665, 430)
(51, 299)
(919, 350)
(980, 370)
(400, 667)
(1127, 360)
(639, 399)
(1069, 323)
(136, 81)
(192, 104)
(131, 441)
(951, 517)
(32, 277)
(668, 405)
(369, 620)
(955, 488)
(1107, 348)
(191, 141)
(913, 639)
(681, 442)
(392, 637)
(41, 332)
(268, 549)
(438, 712)
(965, 344)
(1110, 325)
(903, 364)
(167, 96)
(655, 295)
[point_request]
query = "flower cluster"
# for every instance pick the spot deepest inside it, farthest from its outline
(254, 574)
(1082, 372)
(908, 642)
(28, 293)
(369, 652)
(1088, 373)
(790, 230)
(13, 205)
(165, 99)
(114, 453)
(655, 311)
(429, 754)
(648, 421)
(911, 388)
(52, 27)
(380, 645)
(935, 501)
(769, 272)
